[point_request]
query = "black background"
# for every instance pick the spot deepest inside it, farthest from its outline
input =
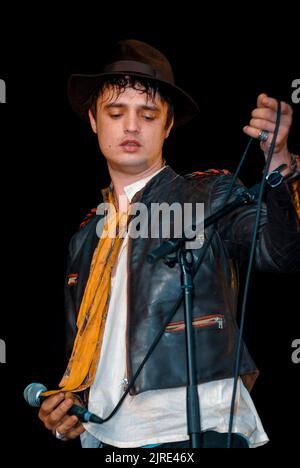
(52, 173)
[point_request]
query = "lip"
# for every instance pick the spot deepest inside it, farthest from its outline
(129, 142)
(130, 146)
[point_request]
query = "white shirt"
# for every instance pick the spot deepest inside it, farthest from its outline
(156, 416)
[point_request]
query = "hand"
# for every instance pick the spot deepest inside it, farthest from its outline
(53, 413)
(264, 118)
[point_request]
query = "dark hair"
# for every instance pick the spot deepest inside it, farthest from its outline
(144, 85)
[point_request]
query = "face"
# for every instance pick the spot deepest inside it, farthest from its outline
(131, 129)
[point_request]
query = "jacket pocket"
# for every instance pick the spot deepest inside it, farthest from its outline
(212, 321)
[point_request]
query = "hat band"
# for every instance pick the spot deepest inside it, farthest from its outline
(132, 66)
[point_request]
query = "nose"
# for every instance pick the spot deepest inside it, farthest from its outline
(131, 124)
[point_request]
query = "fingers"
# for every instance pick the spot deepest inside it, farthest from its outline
(264, 118)
(69, 395)
(75, 432)
(70, 428)
(49, 404)
(253, 132)
(53, 413)
(54, 410)
(76, 400)
(260, 100)
(265, 145)
(264, 113)
(261, 124)
(264, 101)
(271, 115)
(59, 413)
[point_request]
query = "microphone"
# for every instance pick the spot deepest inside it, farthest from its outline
(33, 396)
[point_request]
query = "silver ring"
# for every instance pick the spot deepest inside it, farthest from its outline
(263, 135)
(58, 435)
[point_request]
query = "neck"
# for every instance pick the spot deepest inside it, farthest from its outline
(121, 179)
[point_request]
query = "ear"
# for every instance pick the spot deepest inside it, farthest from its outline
(168, 130)
(93, 121)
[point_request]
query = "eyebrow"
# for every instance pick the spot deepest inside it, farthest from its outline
(119, 105)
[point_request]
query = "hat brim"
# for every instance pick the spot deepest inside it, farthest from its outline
(82, 87)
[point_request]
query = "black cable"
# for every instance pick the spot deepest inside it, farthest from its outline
(180, 297)
(249, 271)
(148, 354)
(226, 198)
(196, 267)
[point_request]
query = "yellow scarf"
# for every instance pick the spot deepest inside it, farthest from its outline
(82, 365)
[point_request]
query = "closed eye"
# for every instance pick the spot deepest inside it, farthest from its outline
(148, 117)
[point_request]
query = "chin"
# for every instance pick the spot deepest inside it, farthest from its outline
(129, 162)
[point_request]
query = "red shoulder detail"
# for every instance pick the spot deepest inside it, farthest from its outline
(209, 172)
(88, 218)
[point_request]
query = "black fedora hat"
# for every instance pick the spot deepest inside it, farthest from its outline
(134, 58)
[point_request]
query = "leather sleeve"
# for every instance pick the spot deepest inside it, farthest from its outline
(80, 254)
(70, 308)
(278, 243)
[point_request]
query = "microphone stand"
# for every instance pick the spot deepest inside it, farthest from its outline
(185, 261)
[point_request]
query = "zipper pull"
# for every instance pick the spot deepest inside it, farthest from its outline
(219, 321)
(124, 384)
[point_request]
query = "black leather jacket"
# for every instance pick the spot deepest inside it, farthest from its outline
(153, 289)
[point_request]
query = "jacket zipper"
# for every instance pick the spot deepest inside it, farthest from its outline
(207, 321)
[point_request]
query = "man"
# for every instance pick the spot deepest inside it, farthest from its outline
(117, 302)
